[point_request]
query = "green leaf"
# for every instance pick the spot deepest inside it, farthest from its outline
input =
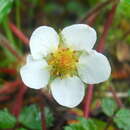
(122, 119)
(5, 8)
(31, 117)
(88, 124)
(101, 124)
(74, 127)
(83, 124)
(49, 117)
(6, 119)
(108, 106)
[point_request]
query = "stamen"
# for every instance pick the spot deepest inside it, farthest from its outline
(63, 62)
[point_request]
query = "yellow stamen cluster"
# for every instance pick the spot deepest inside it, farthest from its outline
(63, 62)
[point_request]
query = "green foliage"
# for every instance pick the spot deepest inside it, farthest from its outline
(30, 117)
(5, 8)
(127, 1)
(21, 129)
(6, 119)
(35, 2)
(122, 119)
(108, 106)
(100, 124)
(129, 92)
(124, 8)
(49, 117)
(72, 7)
(52, 8)
(83, 124)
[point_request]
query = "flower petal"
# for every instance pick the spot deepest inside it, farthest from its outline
(79, 36)
(94, 67)
(43, 41)
(29, 58)
(35, 74)
(68, 92)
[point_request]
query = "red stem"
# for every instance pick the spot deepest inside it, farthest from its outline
(8, 70)
(18, 33)
(91, 20)
(117, 99)
(88, 100)
(4, 98)
(19, 101)
(107, 25)
(43, 117)
(9, 87)
(94, 10)
(5, 43)
(100, 48)
(41, 104)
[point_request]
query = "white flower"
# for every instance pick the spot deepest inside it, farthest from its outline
(64, 62)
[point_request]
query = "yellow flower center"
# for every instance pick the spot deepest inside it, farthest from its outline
(63, 62)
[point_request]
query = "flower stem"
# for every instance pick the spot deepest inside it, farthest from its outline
(107, 25)
(88, 100)
(91, 20)
(9, 87)
(19, 34)
(117, 99)
(4, 98)
(5, 43)
(43, 118)
(19, 100)
(100, 48)
(41, 104)
(94, 10)
(8, 70)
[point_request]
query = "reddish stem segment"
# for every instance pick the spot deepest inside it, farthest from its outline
(8, 70)
(117, 99)
(107, 25)
(4, 98)
(95, 10)
(9, 87)
(43, 118)
(88, 100)
(19, 101)
(5, 43)
(100, 48)
(91, 20)
(41, 104)
(18, 33)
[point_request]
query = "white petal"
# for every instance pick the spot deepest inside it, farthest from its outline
(29, 58)
(79, 36)
(94, 67)
(35, 74)
(43, 41)
(68, 92)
